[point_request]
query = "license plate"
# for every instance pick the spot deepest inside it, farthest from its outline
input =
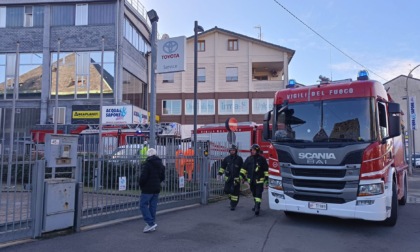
(317, 205)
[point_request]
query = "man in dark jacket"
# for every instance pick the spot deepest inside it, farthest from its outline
(257, 173)
(234, 173)
(152, 174)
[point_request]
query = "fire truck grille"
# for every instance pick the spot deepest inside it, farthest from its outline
(319, 199)
(326, 173)
(338, 185)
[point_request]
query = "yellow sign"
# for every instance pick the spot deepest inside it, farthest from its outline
(157, 117)
(86, 114)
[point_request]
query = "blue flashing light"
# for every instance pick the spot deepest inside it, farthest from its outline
(292, 83)
(363, 75)
(138, 131)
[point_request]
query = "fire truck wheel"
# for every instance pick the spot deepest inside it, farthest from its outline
(392, 220)
(403, 200)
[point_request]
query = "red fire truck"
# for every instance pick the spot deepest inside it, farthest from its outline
(113, 136)
(339, 151)
(243, 134)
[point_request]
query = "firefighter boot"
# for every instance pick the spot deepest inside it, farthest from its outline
(257, 208)
(253, 208)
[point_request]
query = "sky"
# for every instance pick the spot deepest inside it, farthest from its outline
(382, 36)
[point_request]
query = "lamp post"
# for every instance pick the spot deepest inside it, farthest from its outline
(197, 29)
(409, 130)
(154, 18)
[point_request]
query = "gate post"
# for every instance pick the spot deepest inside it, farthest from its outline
(204, 178)
(79, 195)
(37, 205)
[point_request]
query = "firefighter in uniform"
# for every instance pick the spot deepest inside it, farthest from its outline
(143, 151)
(232, 168)
(257, 173)
(189, 162)
(179, 161)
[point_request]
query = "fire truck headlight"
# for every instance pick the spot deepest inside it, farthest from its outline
(275, 184)
(371, 189)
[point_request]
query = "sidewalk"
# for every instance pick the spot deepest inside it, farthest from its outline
(414, 186)
(194, 228)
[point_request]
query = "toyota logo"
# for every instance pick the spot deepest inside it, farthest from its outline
(170, 47)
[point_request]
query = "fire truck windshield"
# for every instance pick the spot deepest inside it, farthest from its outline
(345, 120)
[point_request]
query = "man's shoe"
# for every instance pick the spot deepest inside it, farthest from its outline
(148, 228)
(232, 208)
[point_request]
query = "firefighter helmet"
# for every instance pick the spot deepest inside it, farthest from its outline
(233, 147)
(256, 147)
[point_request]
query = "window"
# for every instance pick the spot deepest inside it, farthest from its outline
(10, 71)
(80, 74)
(382, 120)
(232, 45)
(134, 90)
(201, 75)
(82, 63)
(201, 45)
(135, 38)
(101, 13)
(233, 106)
(2, 16)
(14, 16)
(261, 106)
(38, 16)
(81, 14)
(231, 74)
(204, 107)
(61, 115)
(171, 107)
(263, 77)
(28, 18)
(168, 78)
(63, 15)
(30, 75)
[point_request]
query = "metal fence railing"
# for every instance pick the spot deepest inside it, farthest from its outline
(107, 184)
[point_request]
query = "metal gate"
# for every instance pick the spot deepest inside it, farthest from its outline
(106, 188)
(110, 188)
(17, 189)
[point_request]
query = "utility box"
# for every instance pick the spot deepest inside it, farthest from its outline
(60, 192)
(61, 150)
(59, 208)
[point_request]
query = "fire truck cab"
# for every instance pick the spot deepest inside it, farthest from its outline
(339, 151)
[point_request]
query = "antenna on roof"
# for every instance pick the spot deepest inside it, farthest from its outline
(259, 33)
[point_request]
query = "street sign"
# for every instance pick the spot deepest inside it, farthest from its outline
(171, 55)
(413, 112)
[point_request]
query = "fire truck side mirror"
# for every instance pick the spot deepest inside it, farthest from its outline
(394, 119)
(266, 126)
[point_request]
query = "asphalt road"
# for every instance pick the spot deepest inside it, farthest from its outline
(215, 228)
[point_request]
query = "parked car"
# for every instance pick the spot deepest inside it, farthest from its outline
(126, 154)
(415, 159)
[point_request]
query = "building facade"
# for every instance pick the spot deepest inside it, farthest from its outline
(237, 76)
(70, 53)
(397, 88)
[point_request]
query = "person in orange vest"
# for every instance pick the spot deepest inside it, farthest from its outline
(179, 161)
(189, 162)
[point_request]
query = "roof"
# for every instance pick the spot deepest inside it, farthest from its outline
(254, 40)
(400, 76)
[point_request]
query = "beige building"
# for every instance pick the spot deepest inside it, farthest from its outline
(397, 90)
(237, 77)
